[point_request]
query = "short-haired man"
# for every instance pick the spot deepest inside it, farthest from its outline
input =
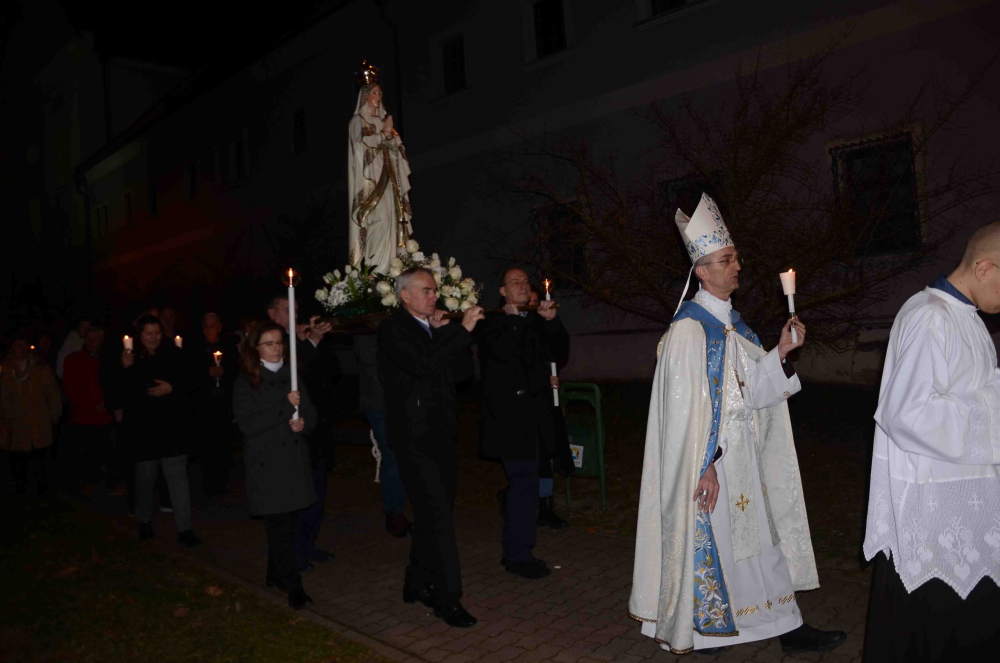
(421, 357)
(515, 350)
(935, 489)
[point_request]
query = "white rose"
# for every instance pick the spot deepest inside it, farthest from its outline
(383, 288)
(451, 303)
(389, 300)
(394, 272)
(435, 256)
(472, 298)
(434, 264)
(467, 285)
(412, 246)
(336, 274)
(451, 261)
(418, 256)
(328, 278)
(437, 278)
(397, 263)
(455, 273)
(466, 305)
(347, 269)
(322, 294)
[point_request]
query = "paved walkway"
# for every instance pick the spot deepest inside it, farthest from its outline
(576, 614)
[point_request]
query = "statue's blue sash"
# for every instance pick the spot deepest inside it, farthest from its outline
(713, 613)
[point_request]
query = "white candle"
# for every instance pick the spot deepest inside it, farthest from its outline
(293, 337)
(218, 362)
(552, 365)
(788, 286)
(178, 341)
(128, 342)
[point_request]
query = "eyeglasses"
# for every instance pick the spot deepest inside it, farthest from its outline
(271, 344)
(728, 261)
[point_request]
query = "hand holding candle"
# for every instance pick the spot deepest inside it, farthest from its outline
(552, 365)
(788, 286)
(127, 342)
(218, 362)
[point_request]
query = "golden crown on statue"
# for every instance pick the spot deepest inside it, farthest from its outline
(367, 74)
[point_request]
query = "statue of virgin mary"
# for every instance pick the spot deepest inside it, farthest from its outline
(377, 180)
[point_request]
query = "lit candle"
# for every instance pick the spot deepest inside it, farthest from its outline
(218, 362)
(552, 365)
(127, 341)
(788, 286)
(293, 337)
(178, 341)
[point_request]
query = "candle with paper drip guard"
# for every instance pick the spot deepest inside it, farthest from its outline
(293, 337)
(127, 342)
(218, 362)
(178, 341)
(548, 297)
(788, 286)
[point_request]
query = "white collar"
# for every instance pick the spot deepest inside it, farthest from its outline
(426, 324)
(719, 309)
(273, 366)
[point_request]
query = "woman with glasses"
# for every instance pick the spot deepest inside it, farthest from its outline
(278, 474)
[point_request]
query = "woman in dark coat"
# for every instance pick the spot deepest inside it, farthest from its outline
(278, 473)
(155, 385)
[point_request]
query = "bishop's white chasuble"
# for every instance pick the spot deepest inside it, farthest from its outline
(706, 580)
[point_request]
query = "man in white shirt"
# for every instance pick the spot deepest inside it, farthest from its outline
(934, 502)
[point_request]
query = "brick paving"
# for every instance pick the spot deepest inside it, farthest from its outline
(576, 615)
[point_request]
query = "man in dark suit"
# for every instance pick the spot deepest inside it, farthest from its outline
(314, 375)
(517, 425)
(420, 358)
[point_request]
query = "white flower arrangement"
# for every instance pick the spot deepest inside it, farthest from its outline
(360, 289)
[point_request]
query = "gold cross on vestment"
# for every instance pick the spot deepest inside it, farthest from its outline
(742, 504)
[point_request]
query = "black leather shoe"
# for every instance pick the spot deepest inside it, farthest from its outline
(547, 516)
(298, 599)
(806, 638)
(425, 595)
(188, 539)
(455, 615)
(145, 531)
(321, 556)
(304, 564)
(532, 569)
(398, 525)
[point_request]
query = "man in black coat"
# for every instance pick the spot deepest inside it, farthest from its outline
(420, 358)
(517, 426)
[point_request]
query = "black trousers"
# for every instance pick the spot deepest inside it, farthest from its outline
(520, 516)
(19, 462)
(430, 475)
(310, 519)
(281, 563)
(930, 624)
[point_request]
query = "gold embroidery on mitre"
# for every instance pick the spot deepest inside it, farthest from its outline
(787, 599)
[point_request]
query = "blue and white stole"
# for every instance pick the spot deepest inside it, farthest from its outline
(713, 614)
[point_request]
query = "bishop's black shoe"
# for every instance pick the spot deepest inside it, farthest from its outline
(425, 595)
(806, 638)
(531, 569)
(455, 615)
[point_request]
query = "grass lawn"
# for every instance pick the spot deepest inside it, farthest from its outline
(77, 589)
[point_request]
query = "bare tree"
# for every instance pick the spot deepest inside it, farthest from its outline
(851, 218)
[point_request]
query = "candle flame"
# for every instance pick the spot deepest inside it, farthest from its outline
(290, 272)
(126, 337)
(217, 353)
(548, 284)
(32, 347)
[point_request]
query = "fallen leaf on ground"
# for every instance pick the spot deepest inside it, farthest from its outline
(181, 612)
(213, 590)
(591, 530)
(68, 571)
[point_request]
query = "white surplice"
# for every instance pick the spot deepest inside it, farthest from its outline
(759, 523)
(934, 502)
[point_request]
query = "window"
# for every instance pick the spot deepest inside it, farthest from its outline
(299, 143)
(151, 197)
(100, 213)
(876, 179)
(453, 62)
(550, 27)
(127, 207)
(564, 249)
(684, 193)
(660, 7)
(192, 180)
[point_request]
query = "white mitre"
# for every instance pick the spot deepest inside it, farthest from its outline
(704, 232)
